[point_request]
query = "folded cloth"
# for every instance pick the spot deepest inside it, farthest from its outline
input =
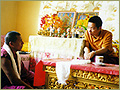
(39, 77)
(63, 69)
(80, 62)
(7, 48)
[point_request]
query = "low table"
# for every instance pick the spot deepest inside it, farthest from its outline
(86, 76)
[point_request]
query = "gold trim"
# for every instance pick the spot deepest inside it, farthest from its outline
(82, 80)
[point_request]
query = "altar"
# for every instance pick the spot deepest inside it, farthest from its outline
(43, 47)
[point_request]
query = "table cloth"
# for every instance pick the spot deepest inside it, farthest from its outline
(55, 47)
(107, 69)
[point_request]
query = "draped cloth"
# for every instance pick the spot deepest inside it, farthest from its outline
(63, 69)
(7, 48)
(39, 77)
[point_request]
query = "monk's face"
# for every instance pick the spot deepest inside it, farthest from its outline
(17, 46)
(92, 29)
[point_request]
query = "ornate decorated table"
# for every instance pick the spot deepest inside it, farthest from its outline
(85, 76)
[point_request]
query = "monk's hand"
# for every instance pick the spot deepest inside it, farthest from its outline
(87, 56)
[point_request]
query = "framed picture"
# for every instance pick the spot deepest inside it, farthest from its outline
(68, 19)
(84, 16)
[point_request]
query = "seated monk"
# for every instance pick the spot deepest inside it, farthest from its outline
(14, 75)
(99, 42)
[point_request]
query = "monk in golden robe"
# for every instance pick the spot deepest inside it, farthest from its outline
(99, 42)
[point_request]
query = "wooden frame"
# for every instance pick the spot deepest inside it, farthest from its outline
(82, 15)
(68, 17)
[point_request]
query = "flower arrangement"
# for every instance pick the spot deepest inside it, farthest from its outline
(50, 21)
